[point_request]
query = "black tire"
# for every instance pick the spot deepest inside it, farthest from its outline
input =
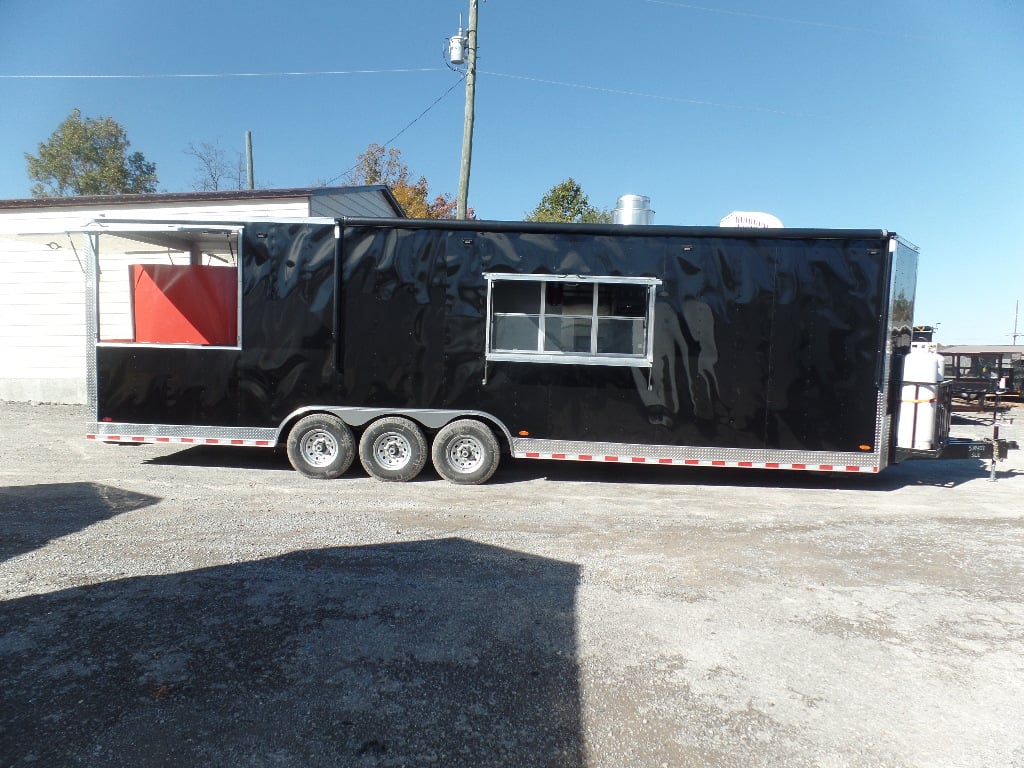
(465, 452)
(321, 446)
(393, 449)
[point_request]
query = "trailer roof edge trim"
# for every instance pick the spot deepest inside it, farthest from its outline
(527, 227)
(641, 230)
(99, 226)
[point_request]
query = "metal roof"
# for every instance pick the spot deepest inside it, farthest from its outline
(982, 349)
(374, 200)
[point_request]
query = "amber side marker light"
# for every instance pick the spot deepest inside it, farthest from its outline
(523, 433)
(864, 447)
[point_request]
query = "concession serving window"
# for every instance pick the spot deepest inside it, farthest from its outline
(166, 284)
(570, 319)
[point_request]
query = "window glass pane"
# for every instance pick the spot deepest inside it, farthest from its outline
(620, 336)
(569, 299)
(566, 334)
(622, 300)
(516, 296)
(569, 319)
(515, 332)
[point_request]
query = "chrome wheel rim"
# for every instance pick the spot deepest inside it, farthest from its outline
(319, 448)
(392, 451)
(466, 454)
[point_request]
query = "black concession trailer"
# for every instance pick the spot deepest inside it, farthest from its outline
(401, 341)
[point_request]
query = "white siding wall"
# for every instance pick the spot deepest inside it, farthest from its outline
(42, 291)
(42, 324)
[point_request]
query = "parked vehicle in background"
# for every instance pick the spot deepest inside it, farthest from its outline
(979, 370)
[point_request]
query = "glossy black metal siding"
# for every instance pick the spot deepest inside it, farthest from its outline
(141, 384)
(759, 342)
(392, 314)
(288, 311)
(287, 355)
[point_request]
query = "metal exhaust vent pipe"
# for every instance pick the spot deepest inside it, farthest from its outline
(633, 209)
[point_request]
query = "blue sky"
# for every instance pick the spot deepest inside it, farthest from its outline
(906, 115)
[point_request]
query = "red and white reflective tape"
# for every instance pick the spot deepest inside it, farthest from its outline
(181, 440)
(693, 462)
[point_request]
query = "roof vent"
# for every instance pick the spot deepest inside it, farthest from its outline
(633, 209)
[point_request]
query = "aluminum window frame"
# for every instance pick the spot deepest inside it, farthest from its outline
(540, 355)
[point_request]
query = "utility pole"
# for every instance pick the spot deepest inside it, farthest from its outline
(467, 129)
(248, 160)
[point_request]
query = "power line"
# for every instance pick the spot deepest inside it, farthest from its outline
(213, 75)
(659, 97)
(563, 84)
(407, 127)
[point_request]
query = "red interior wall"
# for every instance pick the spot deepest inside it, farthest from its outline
(185, 304)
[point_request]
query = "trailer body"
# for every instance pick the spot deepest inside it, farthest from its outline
(779, 349)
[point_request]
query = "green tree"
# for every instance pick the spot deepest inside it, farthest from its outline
(380, 165)
(566, 202)
(89, 156)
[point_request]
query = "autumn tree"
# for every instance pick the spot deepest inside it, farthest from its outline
(566, 202)
(89, 156)
(380, 165)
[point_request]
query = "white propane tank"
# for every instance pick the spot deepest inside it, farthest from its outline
(922, 372)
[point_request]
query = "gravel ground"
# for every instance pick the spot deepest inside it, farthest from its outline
(168, 606)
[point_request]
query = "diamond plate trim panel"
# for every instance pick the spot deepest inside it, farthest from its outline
(624, 453)
(257, 437)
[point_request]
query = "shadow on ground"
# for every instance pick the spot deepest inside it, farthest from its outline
(441, 652)
(941, 473)
(32, 515)
(938, 473)
(225, 456)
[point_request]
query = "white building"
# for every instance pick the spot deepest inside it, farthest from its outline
(42, 274)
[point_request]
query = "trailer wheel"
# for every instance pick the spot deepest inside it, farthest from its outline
(321, 446)
(465, 452)
(393, 448)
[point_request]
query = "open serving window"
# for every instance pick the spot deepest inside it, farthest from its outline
(164, 284)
